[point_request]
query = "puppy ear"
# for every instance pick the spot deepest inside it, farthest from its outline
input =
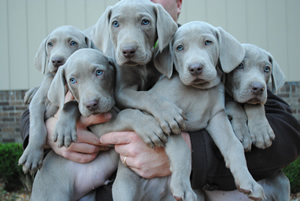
(90, 43)
(165, 26)
(57, 90)
(277, 76)
(100, 32)
(231, 51)
(163, 61)
(41, 58)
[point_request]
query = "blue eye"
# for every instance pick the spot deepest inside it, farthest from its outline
(73, 43)
(179, 48)
(240, 66)
(267, 69)
(208, 42)
(115, 24)
(99, 72)
(73, 80)
(50, 44)
(145, 22)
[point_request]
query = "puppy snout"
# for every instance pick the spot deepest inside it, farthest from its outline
(129, 51)
(92, 105)
(196, 69)
(257, 88)
(57, 61)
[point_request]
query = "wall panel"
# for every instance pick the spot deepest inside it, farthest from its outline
(271, 24)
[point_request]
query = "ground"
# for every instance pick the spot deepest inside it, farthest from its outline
(23, 195)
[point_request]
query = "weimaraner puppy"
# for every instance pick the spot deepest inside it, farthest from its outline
(133, 32)
(200, 52)
(52, 53)
(89, 75)
(248, 84)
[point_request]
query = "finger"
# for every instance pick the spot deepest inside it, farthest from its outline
(69, 97)
(86, 148)
(125, 160)
(80, 157)
(116, 138)
(86, 136)
(94, 119)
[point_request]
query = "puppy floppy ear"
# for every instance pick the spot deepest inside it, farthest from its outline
(165, 26)
(100, 32)
(231, 51)
(41, 58)
(58, 88)
(90, 43)
(277, 76)
(163, 61)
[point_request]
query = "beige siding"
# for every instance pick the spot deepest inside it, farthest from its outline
(271, 24)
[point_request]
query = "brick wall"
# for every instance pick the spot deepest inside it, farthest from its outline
(12, 107)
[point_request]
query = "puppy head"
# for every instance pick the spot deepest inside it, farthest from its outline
(90, 77)
(248, 82)
(196, 50)
(58, 46)
(134, 28)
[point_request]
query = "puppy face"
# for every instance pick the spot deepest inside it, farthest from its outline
(196, 52)
(90, 78)
(58, 46)
(248, 82)
(133, 33)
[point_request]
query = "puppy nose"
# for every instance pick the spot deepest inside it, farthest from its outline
(196, 69)
(129, 51)
(57, 61)
(257, 88)
(92, 105)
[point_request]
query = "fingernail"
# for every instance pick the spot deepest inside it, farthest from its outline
(107, 116)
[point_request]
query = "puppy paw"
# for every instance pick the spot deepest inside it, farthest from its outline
(64, 134)
(241, 131)
(261, 134)
(151, 132)
(170, 117)
(31, 159)
(182, 191)
(253, 190)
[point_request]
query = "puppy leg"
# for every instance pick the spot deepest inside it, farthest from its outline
(260, 130)
(238, 120)
(180, 159)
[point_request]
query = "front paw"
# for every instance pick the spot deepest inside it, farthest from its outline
(241, 131)
(170, 117)
(64, 134)
(261, 133)
(151, 132)
(252, 189)
(31, 159)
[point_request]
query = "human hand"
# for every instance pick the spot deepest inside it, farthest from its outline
(87, 146)
(144, 161)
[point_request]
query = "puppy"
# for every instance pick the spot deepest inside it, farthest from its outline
(89, 76)
(52, 53)
(199, 53)
(133, 33)
(247, 85)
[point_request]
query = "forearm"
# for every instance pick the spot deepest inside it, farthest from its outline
(24, 128)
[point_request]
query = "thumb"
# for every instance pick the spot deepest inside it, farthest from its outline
(94, 119)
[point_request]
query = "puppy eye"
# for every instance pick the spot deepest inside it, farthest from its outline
(240, 66)
(145, 22)
(73, 43)
(115, 23)
(267, 69)
(208, 42)
(73, 80)
(179, 48)
(50, 44)
(99, 72)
